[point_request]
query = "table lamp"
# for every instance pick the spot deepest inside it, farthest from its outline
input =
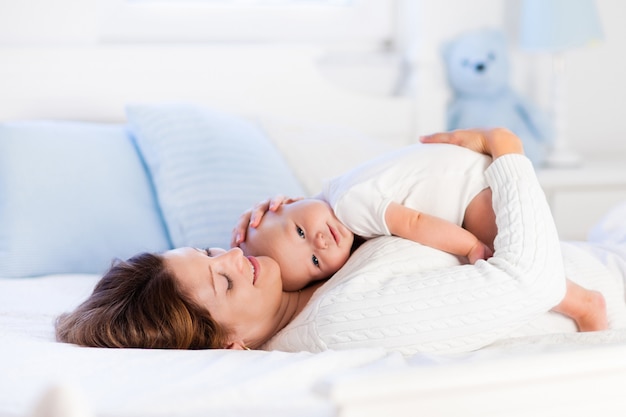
(556, 26)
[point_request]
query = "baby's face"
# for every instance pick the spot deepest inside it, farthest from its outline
(306, 240)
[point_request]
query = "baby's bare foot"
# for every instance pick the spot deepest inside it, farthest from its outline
(595, 317)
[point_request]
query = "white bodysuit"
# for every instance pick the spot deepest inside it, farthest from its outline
(396, 294)
(437, 179)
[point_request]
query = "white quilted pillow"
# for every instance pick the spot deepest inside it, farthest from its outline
(317, 152)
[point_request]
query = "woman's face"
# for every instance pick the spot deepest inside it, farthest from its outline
(244, 294)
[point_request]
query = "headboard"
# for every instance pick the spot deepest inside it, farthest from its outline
(94, 83)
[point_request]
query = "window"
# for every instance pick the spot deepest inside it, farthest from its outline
(245, 20)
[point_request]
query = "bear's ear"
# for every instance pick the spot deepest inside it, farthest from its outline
(498, 37)
(445, 50)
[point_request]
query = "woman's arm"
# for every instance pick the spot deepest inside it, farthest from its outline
(525, 277)
(455, 308)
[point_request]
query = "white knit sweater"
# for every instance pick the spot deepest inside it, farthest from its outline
(399, 295)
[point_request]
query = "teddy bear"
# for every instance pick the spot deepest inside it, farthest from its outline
(477, 69)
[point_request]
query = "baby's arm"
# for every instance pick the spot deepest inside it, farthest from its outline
(434, 232)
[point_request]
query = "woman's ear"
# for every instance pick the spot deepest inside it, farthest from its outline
(237, 345)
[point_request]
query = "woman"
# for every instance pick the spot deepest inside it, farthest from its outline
(422, 301)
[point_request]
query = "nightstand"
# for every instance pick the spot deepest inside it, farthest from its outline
(579, 197)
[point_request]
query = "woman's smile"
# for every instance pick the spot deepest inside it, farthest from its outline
(256, 268)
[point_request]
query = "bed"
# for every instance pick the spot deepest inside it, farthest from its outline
(82, 129)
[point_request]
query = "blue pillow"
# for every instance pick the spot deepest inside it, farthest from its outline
(207, 167)
(73, 196)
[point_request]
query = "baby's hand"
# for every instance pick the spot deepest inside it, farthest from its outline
(479, 251)
(252, 217)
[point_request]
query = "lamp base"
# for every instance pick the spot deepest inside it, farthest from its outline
(563, 159)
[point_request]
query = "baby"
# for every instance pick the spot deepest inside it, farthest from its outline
(433, 194)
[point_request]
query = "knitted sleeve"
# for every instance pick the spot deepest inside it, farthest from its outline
(403, 296)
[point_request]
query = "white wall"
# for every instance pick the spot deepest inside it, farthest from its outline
(596, 81)
(596, 76)
(48, 22)
(597, 84)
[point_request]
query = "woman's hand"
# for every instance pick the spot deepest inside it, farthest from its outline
(252, 217)
(495, 142)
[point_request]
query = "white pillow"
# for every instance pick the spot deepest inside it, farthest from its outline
(611, 228)
(317, 152)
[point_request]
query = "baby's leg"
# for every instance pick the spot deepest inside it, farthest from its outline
(586, 307)
(480, 220)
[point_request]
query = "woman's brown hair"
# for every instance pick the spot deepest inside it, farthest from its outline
(139, 304)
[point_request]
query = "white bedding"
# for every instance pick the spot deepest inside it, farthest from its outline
(133, 382)
(568, 372)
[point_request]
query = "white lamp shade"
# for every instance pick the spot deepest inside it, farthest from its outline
(556, 25)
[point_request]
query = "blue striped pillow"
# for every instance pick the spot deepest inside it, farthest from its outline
(207, 167)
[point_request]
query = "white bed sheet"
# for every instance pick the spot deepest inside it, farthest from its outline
(138, 383)
(135, 382)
